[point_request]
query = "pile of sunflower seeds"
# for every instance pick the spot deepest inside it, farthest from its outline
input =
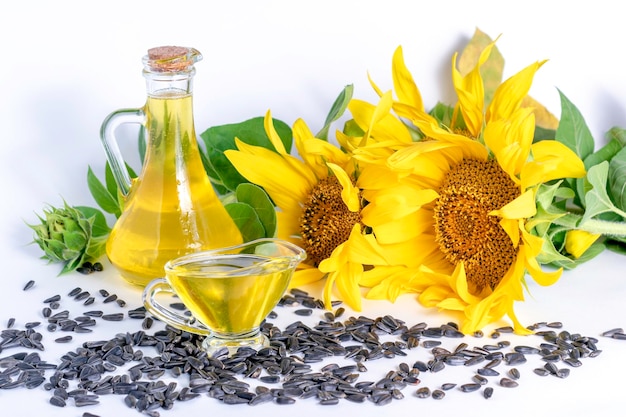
(297, 365)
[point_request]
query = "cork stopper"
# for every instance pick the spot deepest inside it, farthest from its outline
(171, 58)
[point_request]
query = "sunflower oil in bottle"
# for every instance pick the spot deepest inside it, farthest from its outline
(171, 208)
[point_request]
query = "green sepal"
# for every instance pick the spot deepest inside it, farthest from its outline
(336, 111)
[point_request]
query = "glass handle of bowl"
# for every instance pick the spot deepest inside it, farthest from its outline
(111, 147)
(166, 315)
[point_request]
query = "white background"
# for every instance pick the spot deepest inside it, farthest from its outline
(65, 65)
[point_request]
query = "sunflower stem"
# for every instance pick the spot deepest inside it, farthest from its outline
(596, 226)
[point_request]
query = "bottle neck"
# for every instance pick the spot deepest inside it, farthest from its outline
(169, 84)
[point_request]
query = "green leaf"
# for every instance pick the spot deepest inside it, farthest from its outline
(571, 263)
(218, 139)
(606, 153)
(99, 226)
(246, 220)
(351, 128)
(72, 265)
(215, 180)
(443, 113)
(258, 199)
(542, 133)
(101, 194)
(337, 110)
(573, 131)
(616, 245)
(617, 179)
(597, 200)
(618, 134)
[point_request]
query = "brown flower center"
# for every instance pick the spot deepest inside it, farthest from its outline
(326, 221)
(464, 229)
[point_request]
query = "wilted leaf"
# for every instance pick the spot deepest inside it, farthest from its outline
(543, 117)
(491, 71)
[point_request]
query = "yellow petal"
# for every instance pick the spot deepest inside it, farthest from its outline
(551, 160)
(403, 83)
(304, 276)
(540, 276)
(508, 97)
(328, 290)
(269, 170)
(471, 93)
(365, 250)
(453, 304)
(433, 295)
(374, 86)
(511, 227)
(578, 241)
(316, 152)
(272, 134)
(349, 193)
(347, 282)
(522, 207)
(510, 140)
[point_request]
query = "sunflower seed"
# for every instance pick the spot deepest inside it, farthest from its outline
(29, 285)
(487, 372)
(508, 383)
(514, 373)
(113, 317)
(438, 394)
(75, 292)
(81, 296)
(471, 387)
(304, 312)
(57, 401)
(480, 379)
(423, 392)
(610, 333)
(488, 392)
(110, 298)
(52, 299)
(63, 339)
(284, 400)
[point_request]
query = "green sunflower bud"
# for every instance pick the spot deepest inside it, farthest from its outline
(71, 235)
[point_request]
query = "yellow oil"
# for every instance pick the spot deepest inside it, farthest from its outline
(172, 208)
(228, 302)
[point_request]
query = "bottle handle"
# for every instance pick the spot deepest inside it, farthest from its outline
(166, 315)
(111, 148)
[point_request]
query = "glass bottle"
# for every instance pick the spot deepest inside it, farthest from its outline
(171, 208)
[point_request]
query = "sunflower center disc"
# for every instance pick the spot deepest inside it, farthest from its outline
(464, 229)
(326, 221)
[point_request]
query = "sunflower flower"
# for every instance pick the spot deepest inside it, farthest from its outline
(478, 182)
(318, 206)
